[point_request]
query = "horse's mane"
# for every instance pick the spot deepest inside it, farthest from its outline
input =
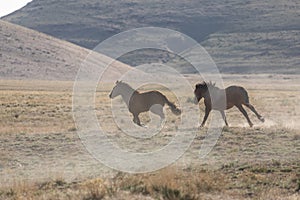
(123, 84)
(208, 85)
(126, 86)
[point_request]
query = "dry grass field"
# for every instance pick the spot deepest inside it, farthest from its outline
(41, 156)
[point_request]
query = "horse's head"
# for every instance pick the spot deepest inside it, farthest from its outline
(200, 90)
(116, 91)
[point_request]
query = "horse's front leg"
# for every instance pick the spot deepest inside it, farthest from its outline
(224, 117)
(207, 111)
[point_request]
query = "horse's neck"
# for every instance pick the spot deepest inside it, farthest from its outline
(216, 97)
(127, 94)
(213, 93)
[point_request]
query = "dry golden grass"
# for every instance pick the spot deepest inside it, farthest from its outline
(41, 156)
(170, 183)
(35, 106)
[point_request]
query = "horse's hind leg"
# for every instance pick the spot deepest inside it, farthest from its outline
(240, 107)
(136, 119)
(158, 110)
(253, 110)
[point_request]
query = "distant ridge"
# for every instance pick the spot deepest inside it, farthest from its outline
(241, 36)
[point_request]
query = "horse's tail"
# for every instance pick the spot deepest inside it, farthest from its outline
(245, 93)
(172, 106)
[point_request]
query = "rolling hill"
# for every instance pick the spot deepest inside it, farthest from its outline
(242, 36)
(28, 54)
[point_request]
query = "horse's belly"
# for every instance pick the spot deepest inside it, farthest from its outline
(222, 105)
(229, 105)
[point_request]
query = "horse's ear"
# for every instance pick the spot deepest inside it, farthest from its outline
(205, 85)
(214, 84)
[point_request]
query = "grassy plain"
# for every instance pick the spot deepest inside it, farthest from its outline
(41, 156)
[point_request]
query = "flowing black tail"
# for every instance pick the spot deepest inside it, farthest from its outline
(173, 107)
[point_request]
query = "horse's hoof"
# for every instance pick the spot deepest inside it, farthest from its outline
(251, 125)
(200, 127)
(139, 124)
(262, 119)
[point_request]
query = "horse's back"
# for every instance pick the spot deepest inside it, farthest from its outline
(154, 97)
(143, 101)
(236, 95)
(235, 88)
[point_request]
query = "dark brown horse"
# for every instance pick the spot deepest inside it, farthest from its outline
(235, 96)
(142, 102)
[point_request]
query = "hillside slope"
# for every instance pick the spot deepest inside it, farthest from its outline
(28, 54)
(242, 36)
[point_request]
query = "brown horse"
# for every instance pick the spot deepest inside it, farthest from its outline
(235, 96)
(142, 102)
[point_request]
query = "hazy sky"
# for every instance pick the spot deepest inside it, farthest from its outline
(8, 6)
